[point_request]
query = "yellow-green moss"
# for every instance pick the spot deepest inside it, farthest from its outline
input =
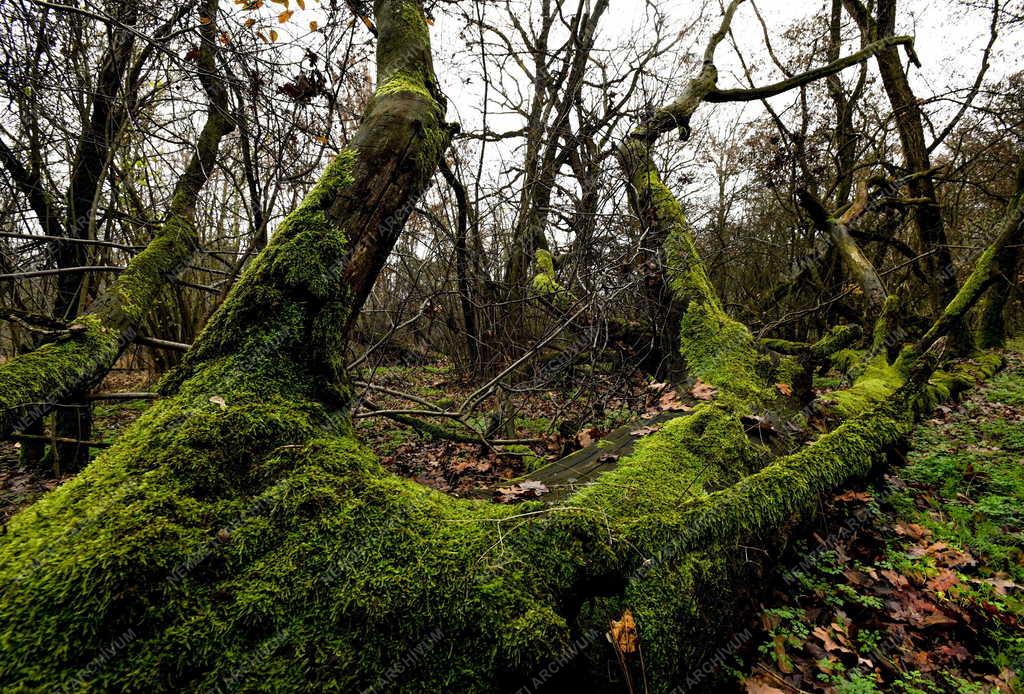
(717, 349)
(32, 382)
(545, 282)
(875, 384)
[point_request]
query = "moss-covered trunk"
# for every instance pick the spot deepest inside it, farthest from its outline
(34, 383)
(856, 263)
(238, 537)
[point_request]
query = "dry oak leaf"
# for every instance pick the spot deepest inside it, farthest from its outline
(702, 390)
(528, 489)
(853, 496)
(945, 580)
(585, 438)
(623, 633)
(912, 530)
(669, 402)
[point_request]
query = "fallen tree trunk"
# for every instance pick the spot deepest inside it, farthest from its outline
(237, 536)
(32, 384)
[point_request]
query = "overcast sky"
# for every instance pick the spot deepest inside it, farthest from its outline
(950, 39)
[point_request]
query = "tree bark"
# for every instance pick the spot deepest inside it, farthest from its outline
(462, 272)
(856, 263)
(992, 322)
(91, 161)
(32, 384)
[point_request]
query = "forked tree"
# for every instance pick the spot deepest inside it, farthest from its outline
(239, 536)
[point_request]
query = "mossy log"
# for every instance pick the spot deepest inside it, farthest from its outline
(31, 384)
(238, 537)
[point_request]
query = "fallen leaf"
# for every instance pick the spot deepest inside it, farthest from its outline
(853, 496)
(623, 633)
(912, 530)
(585, 438)
(670, 402)
(533, 486)
(781, 659)
(529, 489)
(1001, 583)
(759, 685)
(702, 390)
(828, 642)
(954, 651)
(949, 557)
(945, 580)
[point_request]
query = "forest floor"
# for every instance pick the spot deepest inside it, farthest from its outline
(912, 583)
(553, 423)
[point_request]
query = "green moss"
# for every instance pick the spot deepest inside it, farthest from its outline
(256, 523)
(403, 51)
(318, 538)
(880, 380)
(402, 82)
(30, 383)
(835, 340)
(845, 359)
(136, 288)
(545, 282)
(247, 540)
(289, 300)
(783, 346)
(876, 383)
(884, 325)
(716, 348)
(720, 351)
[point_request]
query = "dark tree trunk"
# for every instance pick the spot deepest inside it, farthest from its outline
(462, 270)
(909, 121)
